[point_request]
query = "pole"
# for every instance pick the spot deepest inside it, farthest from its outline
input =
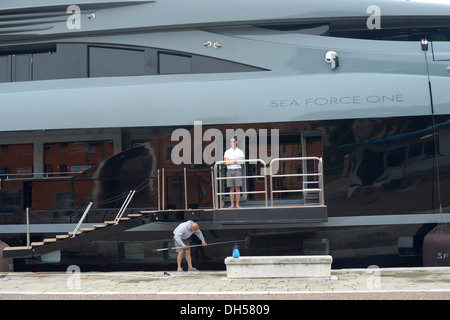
(246, 240)
(28, 227)
(185, 190)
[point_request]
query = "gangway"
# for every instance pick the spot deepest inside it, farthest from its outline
(79, 235)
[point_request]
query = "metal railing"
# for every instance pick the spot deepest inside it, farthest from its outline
(37, 175)
(305, 175)
(218, 186)
(81, 220)
(83, 217)
(265, 173)
(124, 206)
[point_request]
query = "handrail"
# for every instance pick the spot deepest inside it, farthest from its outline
(305, 188)
(34, 175)
(81, 220)
(28, 228)
(216, 203)
(159, 192)
(216, 177)
(319, 174)
(124, 206)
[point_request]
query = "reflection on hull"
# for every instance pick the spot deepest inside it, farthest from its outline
(90, 113)
(400, 191)
(350, 247)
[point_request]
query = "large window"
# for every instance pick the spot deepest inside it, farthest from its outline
(71, 157)
(16, 161)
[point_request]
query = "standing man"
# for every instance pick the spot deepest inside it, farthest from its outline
(180, 238)
(233, 159)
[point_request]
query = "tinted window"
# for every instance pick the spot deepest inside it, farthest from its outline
(22, 67)
(44, 66)
(203, 64)
(81, 60)
(398, 29)
(5, 69)
(174, 63)
(109, 62)
(72, 60)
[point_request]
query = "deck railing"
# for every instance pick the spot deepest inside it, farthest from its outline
(218, 192)
(305, 175)
(307, 178)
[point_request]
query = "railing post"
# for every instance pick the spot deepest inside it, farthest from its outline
(28, 227)
(321, 192)
(163, 189)
(217, 186)
(265, 182)
(159, 193)
(271, 182)
(213, 184)
(185, 190)
(82, 219)
(124, 205)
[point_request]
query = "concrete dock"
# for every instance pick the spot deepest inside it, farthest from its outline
(350, 284)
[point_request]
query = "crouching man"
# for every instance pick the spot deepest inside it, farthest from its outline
(181, 234)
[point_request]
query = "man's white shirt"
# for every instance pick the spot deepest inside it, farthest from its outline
(234, 154)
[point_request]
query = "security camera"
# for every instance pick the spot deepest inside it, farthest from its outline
(332, 58)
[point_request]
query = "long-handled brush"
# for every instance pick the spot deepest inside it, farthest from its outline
(246, 240)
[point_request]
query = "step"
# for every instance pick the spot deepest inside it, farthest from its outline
(109, 222)
(16, 248)
(135, 215)
(124, 219)
(279, 267)
(98, 226)
(37, 244)
(87, 229)
(50, 240)
(71, 233)
(62, 236)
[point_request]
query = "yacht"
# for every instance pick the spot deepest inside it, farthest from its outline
(342, 110)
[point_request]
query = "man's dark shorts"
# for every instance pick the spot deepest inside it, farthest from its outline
(234, 182)
(180, 245)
